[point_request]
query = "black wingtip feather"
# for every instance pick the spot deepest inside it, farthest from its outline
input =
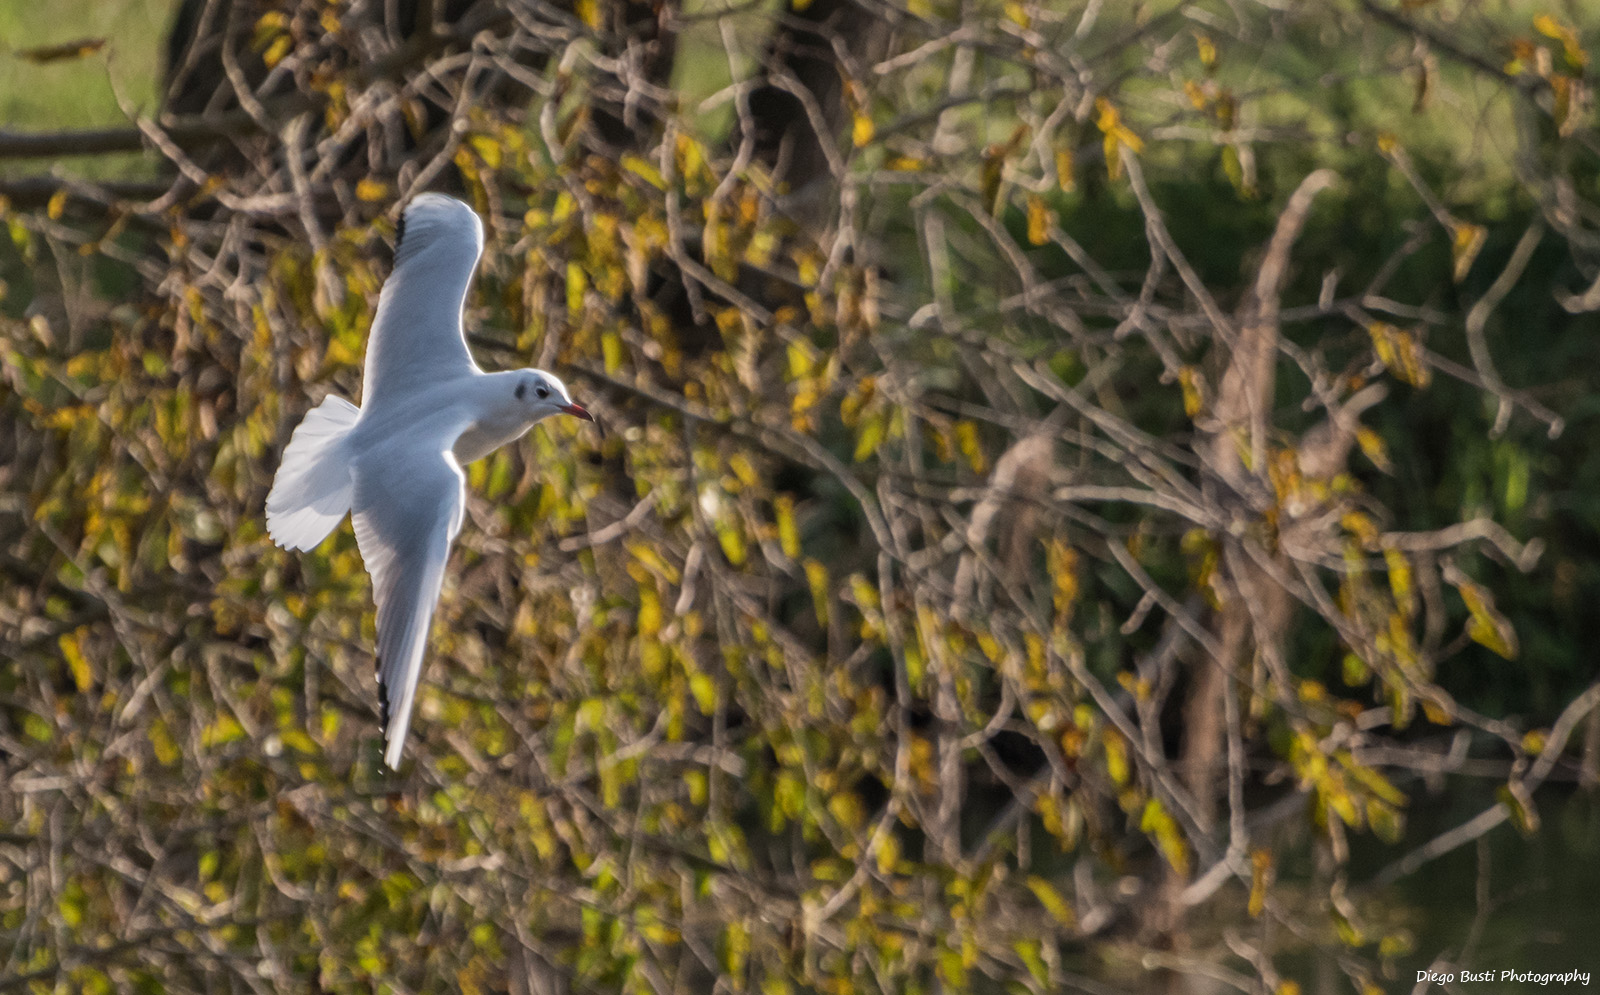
(383, 702)
(400, 231)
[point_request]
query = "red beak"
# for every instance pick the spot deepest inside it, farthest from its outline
(578, 411)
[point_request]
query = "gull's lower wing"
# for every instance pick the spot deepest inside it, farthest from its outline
(407, 511)
(416, 336)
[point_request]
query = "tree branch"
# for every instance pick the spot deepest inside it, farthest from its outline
(198, 130)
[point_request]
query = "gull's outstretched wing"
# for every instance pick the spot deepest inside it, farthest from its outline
(407, 510)
(416, 337)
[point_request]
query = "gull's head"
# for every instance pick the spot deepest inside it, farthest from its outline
(543, 394)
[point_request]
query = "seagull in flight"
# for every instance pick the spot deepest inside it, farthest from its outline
(395, 462)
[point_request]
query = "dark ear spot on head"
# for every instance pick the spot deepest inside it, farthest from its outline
(522, 388)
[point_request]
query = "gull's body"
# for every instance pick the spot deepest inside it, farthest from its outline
(395, 462)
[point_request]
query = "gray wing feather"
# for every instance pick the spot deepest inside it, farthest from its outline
(407, 511)
(417, 336)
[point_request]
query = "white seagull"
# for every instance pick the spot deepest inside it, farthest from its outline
(395, 462)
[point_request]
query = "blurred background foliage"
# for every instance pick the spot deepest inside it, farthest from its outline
(954, 604)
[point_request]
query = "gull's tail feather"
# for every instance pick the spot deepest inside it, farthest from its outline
(313, 488)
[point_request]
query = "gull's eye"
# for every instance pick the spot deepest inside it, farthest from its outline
(522, 389)
(543, 391)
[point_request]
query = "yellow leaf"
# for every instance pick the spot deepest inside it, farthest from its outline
(862, 130)
(846, 810)
(916, 663)
(645, 170)
(272, 22)
(577, 284)
(1465, 243)
(649, 622)
(1062, 561)
(1207, 50)
(788, 531)
(967, 441)
(1360, 525)
(873, 429)
(731, 539)
(888, 853)
(1372, 780)
(296, 739)
(1113, 154)
(1261, 874)
(1549, 27)
(371, 190)
(277, 50)
(57, 205)
(1116, 134)
(1028, 950)
(647, 556)
(1373, 448)
(1052, 900)
(226, 729)
(611, 350)
(1193, 399)
(1116, 757)
(817, 580)
(704, 691)
(1392, 945)
(1400, 581)
(487, 148)
(1233, 166)
(1401, 352)
(1038, 220)
(71, 644)
(743, 469)
(166, 749)
(1487, 626)
(1356, 671)
(1522, 50)
(1064, 176)
(1158, 822)
(1436, 713)
(1519, 803)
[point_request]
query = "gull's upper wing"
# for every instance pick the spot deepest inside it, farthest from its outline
(407, 510)
(416, 336)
